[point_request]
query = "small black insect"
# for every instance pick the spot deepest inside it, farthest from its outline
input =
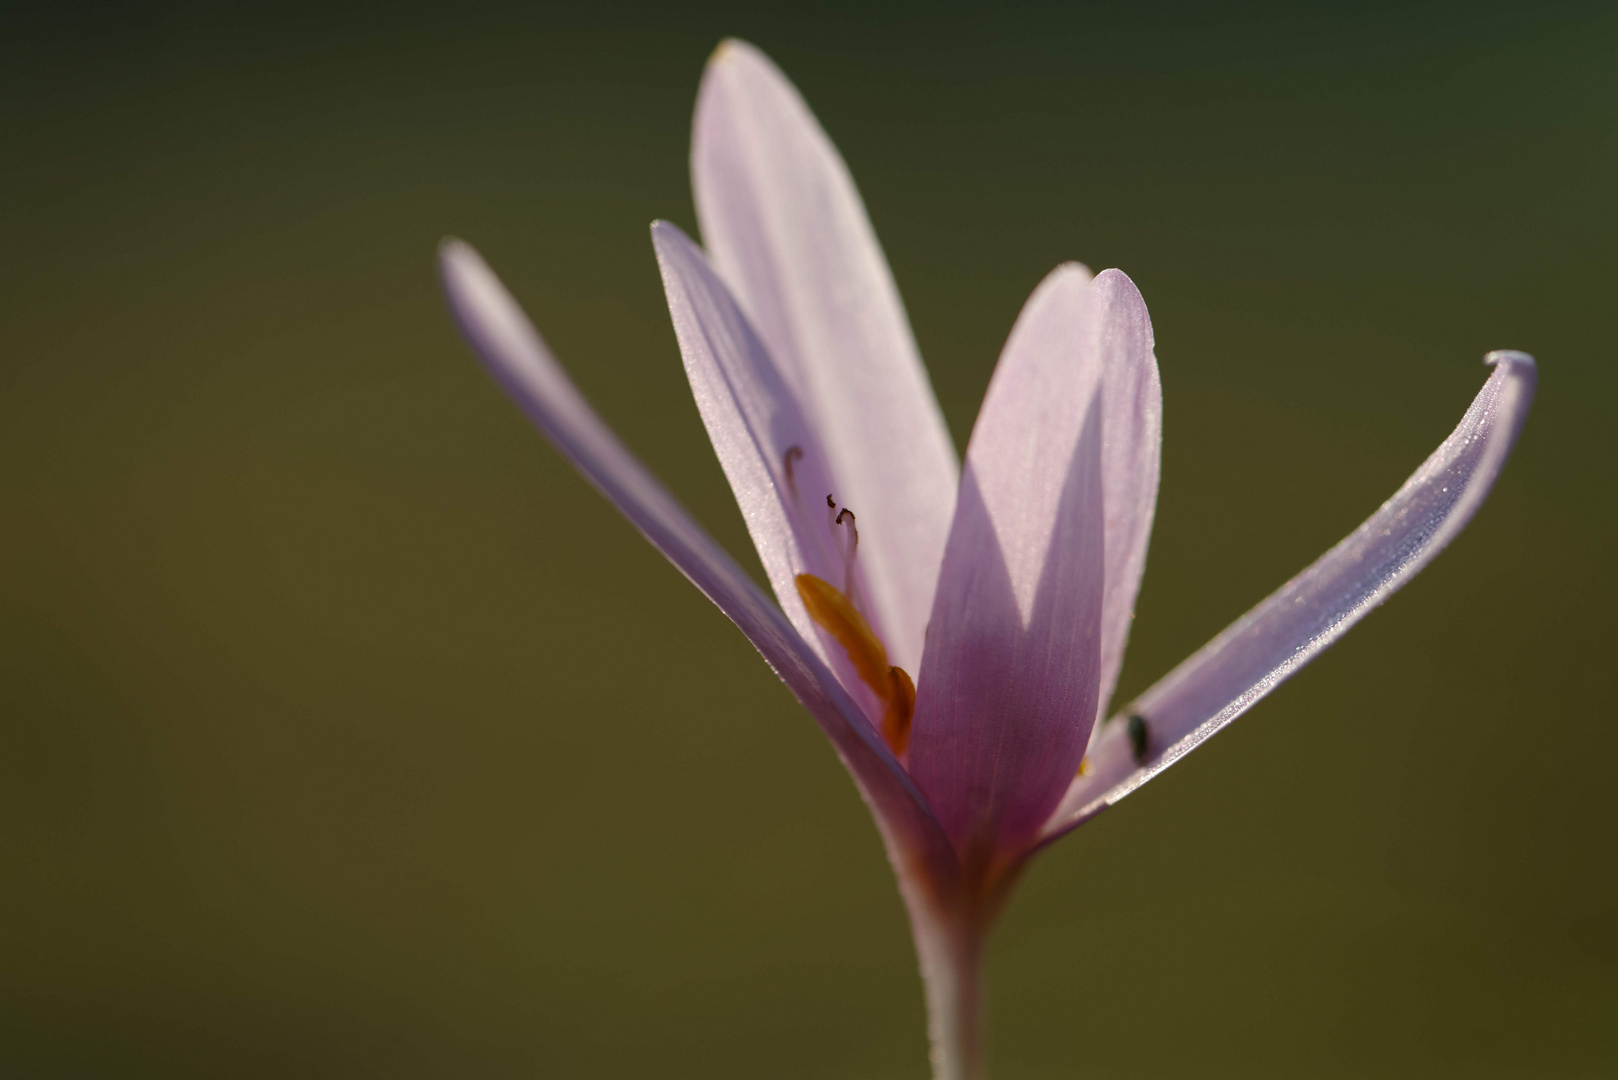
(1140, 737)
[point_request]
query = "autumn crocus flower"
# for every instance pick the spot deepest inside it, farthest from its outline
(956, 631)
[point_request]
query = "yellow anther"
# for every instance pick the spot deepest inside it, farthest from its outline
(834, 613)
(1085, 768)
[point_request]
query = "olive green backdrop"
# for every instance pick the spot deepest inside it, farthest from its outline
(345, 732)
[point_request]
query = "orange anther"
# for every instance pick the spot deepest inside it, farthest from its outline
(834, 613)
(901, 707)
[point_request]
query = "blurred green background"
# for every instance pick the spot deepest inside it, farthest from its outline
(345, 732)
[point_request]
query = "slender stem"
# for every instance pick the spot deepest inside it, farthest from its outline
(951, 933)
(951, 954)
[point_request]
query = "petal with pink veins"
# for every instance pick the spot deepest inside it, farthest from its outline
(1007, 694)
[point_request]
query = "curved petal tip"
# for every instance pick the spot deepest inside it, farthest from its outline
(1510, 356)
(1518, 365)
(728, 47)
(1261, 649)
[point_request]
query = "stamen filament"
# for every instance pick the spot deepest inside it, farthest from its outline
(850, 550)
(794, 453)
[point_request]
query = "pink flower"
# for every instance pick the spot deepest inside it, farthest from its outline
(957, 633)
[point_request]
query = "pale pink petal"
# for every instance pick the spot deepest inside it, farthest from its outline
(1131, 450)
(1007, 694)
(1308, 613)
(786, 230)
(514, 354)
(770, 453)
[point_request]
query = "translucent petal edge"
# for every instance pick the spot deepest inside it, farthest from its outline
(1255, 654)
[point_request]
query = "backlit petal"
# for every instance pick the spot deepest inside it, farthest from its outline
(1131, 450)
(786, 230)
(514, 354)
(1250, 658)
(1007, 694)
(771, 455)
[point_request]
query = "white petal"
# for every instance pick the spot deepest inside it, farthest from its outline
(785, 228)
(512, 351)
(1131, 452)
(1250, 658)
(771, 455)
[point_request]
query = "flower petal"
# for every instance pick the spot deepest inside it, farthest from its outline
(786, 230)
(511, 349)
(770, 453)
(1007, 694)
(1131, 452)
(1308, 613)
